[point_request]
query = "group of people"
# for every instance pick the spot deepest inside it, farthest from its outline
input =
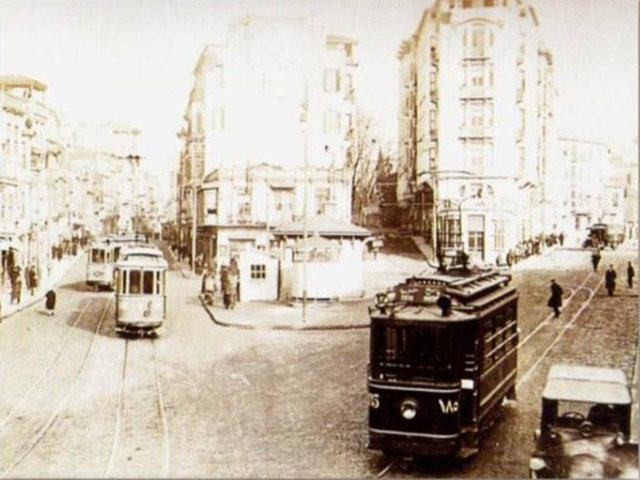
(527, 248)
(610, 276)
(229, 282)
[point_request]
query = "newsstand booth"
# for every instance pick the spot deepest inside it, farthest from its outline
(334, 260)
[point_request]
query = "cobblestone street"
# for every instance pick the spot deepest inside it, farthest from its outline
(257, 403)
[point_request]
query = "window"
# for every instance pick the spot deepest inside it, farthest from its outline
(148, 282)
(97, 255)
(218, 76)
(323, 197)
(211, 201)
(258, 271)
(331, 80)
(477, 37)
(217, 118)
(476, 233)
(331, 121)
(134, 281)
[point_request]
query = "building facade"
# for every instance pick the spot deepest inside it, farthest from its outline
(583, 169)
(278, 92)
(33, 188)
(476, 127)
(239, 208)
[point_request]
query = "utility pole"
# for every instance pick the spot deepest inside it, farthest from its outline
(305, 114)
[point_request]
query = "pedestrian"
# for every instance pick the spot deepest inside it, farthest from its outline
(226, 286)
(555, 301)
(444, 303)
(561, 238)
(33, 279)
(509, 258)
(50, 303)
(16, 290)
(595, 259)
(234, 281)
(610, 280)
(630, 274)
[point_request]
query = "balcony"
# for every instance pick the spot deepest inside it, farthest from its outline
(476, 53)
(476, 92)
(472, 131)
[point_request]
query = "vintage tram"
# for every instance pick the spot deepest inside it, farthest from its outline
(443, 357)
(100, 262)
(141, 290)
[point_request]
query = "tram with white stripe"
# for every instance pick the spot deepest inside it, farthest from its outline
(141, 289)
(443, 357)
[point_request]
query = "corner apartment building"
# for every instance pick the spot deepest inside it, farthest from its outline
(476, 127)
(279, 92)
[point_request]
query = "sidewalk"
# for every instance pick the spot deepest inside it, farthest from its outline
(384, 272)
(59, 270)
(279, 316)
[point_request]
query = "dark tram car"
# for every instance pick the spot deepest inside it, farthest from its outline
(443, 356)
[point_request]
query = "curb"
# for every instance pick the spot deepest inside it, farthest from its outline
(241, 326)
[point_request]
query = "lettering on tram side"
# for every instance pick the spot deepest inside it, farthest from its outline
(448, 407)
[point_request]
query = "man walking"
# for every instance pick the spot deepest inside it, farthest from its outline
(555, 301)
(630, 274)
(610, 280)
(595, 259)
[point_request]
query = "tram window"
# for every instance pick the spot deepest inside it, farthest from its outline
(488, 347)
(134, 281)
(147, 282)
(417, 351)
(97, 255)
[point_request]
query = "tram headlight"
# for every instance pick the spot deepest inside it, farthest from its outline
(536, 464)
(409, 409)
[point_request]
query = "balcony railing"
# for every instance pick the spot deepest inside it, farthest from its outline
(475, 91)
(472, 131)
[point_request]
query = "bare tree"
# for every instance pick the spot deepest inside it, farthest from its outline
(362, 161)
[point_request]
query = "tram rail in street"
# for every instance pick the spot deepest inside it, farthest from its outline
(44, 428)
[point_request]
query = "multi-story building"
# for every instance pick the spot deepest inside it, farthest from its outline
(111, 191)
(279, 92)
(32, 187)
(476, 127)
(239, 207)
(582, 168)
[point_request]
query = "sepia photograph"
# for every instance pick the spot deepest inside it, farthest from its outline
(319, 239)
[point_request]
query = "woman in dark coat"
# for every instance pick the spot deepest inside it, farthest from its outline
(50, 303)
(555, 301)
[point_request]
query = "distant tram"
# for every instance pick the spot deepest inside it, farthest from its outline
(443, 357)
(100, 265)
(141, 298)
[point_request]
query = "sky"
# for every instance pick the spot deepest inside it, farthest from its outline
(131, 61)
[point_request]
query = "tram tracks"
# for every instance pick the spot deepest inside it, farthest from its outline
(44, 426)
(138, 419)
